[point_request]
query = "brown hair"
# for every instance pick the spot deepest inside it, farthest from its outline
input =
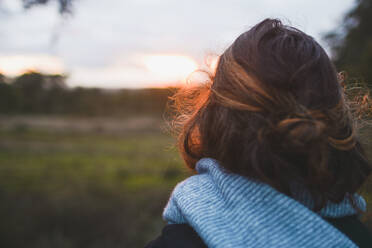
(275, 111)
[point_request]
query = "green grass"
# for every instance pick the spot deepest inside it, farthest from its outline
(65, 189)
(84, 190)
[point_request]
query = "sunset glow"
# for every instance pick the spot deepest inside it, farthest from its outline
(18, 64)
(213, 63)
(170, 67)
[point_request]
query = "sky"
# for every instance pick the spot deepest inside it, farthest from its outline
(142, 43)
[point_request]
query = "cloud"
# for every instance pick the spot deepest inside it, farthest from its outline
(100, 33)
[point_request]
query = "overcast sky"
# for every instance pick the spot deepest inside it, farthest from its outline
(111, 43)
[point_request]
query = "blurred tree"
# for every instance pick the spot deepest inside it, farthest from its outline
(36, 93)
(65, 6)
(2, 78)
(29, 89)
(351, 44)
(8, 101)
(30, 82)
(55, 81)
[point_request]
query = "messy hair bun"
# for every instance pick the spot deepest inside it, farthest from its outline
(275, 111)
(299, 133)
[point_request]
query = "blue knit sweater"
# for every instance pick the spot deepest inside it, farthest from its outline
(228, 210)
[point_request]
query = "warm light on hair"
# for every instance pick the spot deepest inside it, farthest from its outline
(274, 110)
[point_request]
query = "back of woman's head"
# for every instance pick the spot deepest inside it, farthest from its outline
(275, 111)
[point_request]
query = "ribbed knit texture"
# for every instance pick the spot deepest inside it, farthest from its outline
(228, 210)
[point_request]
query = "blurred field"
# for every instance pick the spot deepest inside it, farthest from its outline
(87, 183)
(97, 188)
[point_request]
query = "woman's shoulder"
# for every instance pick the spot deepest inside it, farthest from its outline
(183, 235)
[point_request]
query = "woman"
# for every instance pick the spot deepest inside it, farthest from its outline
(275, 150)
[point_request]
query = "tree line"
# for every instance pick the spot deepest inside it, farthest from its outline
(37, 93)
(351, 42)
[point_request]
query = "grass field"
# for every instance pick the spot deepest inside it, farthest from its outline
(70, 189)
(67, 188)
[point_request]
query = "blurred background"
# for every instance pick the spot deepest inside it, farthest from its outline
(86, 156)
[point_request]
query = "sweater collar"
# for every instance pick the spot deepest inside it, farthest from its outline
(228, 210)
